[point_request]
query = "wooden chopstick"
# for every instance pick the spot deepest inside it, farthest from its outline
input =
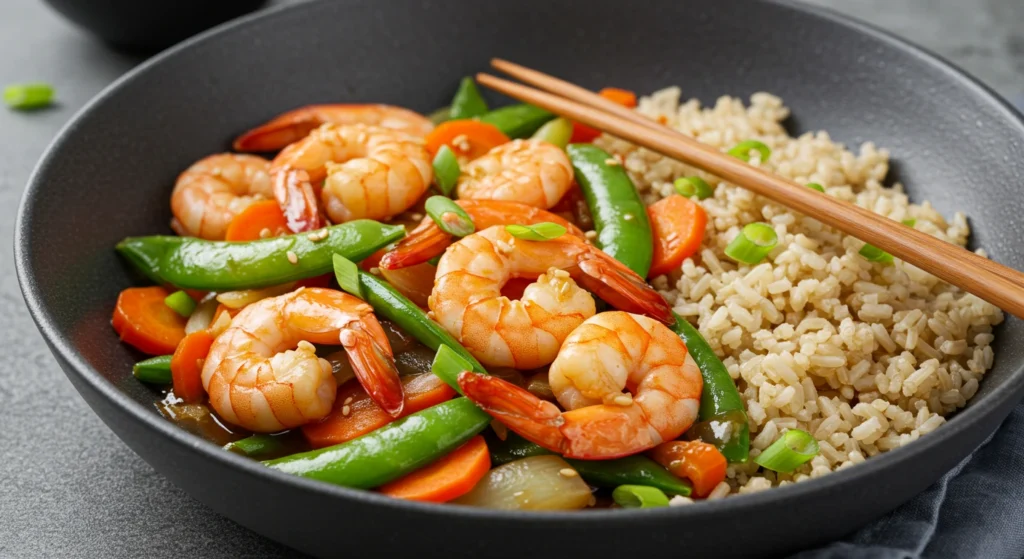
(993, 282)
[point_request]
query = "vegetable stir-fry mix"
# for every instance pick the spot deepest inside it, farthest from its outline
(481, 351)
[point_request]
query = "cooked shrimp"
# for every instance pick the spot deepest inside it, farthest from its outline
(428, 240)
(609, 353)
(256, 380)
(526, 334)
(371, 172)
(529, 171)
(296, 124)
(210, 193)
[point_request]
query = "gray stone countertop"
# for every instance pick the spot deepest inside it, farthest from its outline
(68, 486)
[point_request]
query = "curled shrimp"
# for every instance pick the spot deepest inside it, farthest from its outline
(428, 240)
(262, 373)
(210, 193)
(529, 171)
(609, 353)
(296, 124)
(526, 333)
(368, 172)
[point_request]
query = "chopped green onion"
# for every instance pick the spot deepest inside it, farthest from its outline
(467, 102)
(875, 254)
(753, 243)
(639, 497)
(742, 150)
(28, 95)
(181, 303)
(447, 365)
(449, 216)
(693, 187)
(440, 115)
(816, 186)
(256, 446)
(789, 451)
(347, 274)
(155, 370)
(433, 261)
(545, 231)
(909, 222)
(557, 132)
(446, 170)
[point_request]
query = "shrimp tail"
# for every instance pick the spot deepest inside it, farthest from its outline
(536, 420)
(623, 289)
(422, 244)
(375, 369)
(278, 133)
(298, 201)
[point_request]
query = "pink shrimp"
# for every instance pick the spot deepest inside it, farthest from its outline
(296, 124)
(210, 193)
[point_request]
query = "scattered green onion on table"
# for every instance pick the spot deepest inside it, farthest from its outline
(27, 96)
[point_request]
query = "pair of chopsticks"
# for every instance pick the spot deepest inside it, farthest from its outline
(993, 282)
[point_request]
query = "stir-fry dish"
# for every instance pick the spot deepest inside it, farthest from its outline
(457, 307)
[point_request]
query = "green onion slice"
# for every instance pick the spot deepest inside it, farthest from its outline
(440, 115)
(446, 170)
(181, 303)
(544, 231)
(155, 370)
(816, 186)
(875, 254)
(557, 132)
(793, 448)
(693, 187)
(909, 222)
(28, 95)
(347, 274)
(639, 497)
(742, 150)
(449, 216)
(447, 365)
(753, 243)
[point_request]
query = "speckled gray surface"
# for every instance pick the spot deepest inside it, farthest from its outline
(68, 486)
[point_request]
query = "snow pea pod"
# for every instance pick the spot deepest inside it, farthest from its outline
(517, 121)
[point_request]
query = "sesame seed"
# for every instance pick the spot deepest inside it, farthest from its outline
(612, 162)
(628, 217)
(375, 271)
(564, 289)
(347, 401)
(416, 216)
(306, 346)
(567, 472)
(503, 247)
(679, 501)
(559, 273)
(292, 257)
(590, 234)
(317, 236)
(623, 400)
(265, 233)
(345, 410)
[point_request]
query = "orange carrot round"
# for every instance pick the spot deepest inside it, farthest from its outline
(259, 216)
(467, 138)
(678, 225)
(700, 462)
(187, 366)
(143, 320)
(448, 478)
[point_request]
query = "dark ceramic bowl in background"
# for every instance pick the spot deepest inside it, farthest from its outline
(150, 25)
(109, 174)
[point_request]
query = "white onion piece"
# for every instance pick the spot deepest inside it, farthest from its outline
(535, 483)
(201, 317)
(239, 299)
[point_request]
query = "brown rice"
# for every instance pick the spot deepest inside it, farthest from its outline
(866, 357)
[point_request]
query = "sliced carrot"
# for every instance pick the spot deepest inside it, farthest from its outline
(187, 366)
(475, 138)
(582, 134)
(143, 320)
(700, 462)
(678, 226)
(446, 479)
(364, 415)
(247, 225)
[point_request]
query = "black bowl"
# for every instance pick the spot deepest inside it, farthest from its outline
(109, 172)
(153, 25)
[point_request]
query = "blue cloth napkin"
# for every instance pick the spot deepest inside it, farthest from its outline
(975, 510)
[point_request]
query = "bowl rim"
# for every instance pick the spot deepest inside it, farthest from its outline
(187, 442)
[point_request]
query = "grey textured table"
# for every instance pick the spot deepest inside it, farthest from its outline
(68, 486)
